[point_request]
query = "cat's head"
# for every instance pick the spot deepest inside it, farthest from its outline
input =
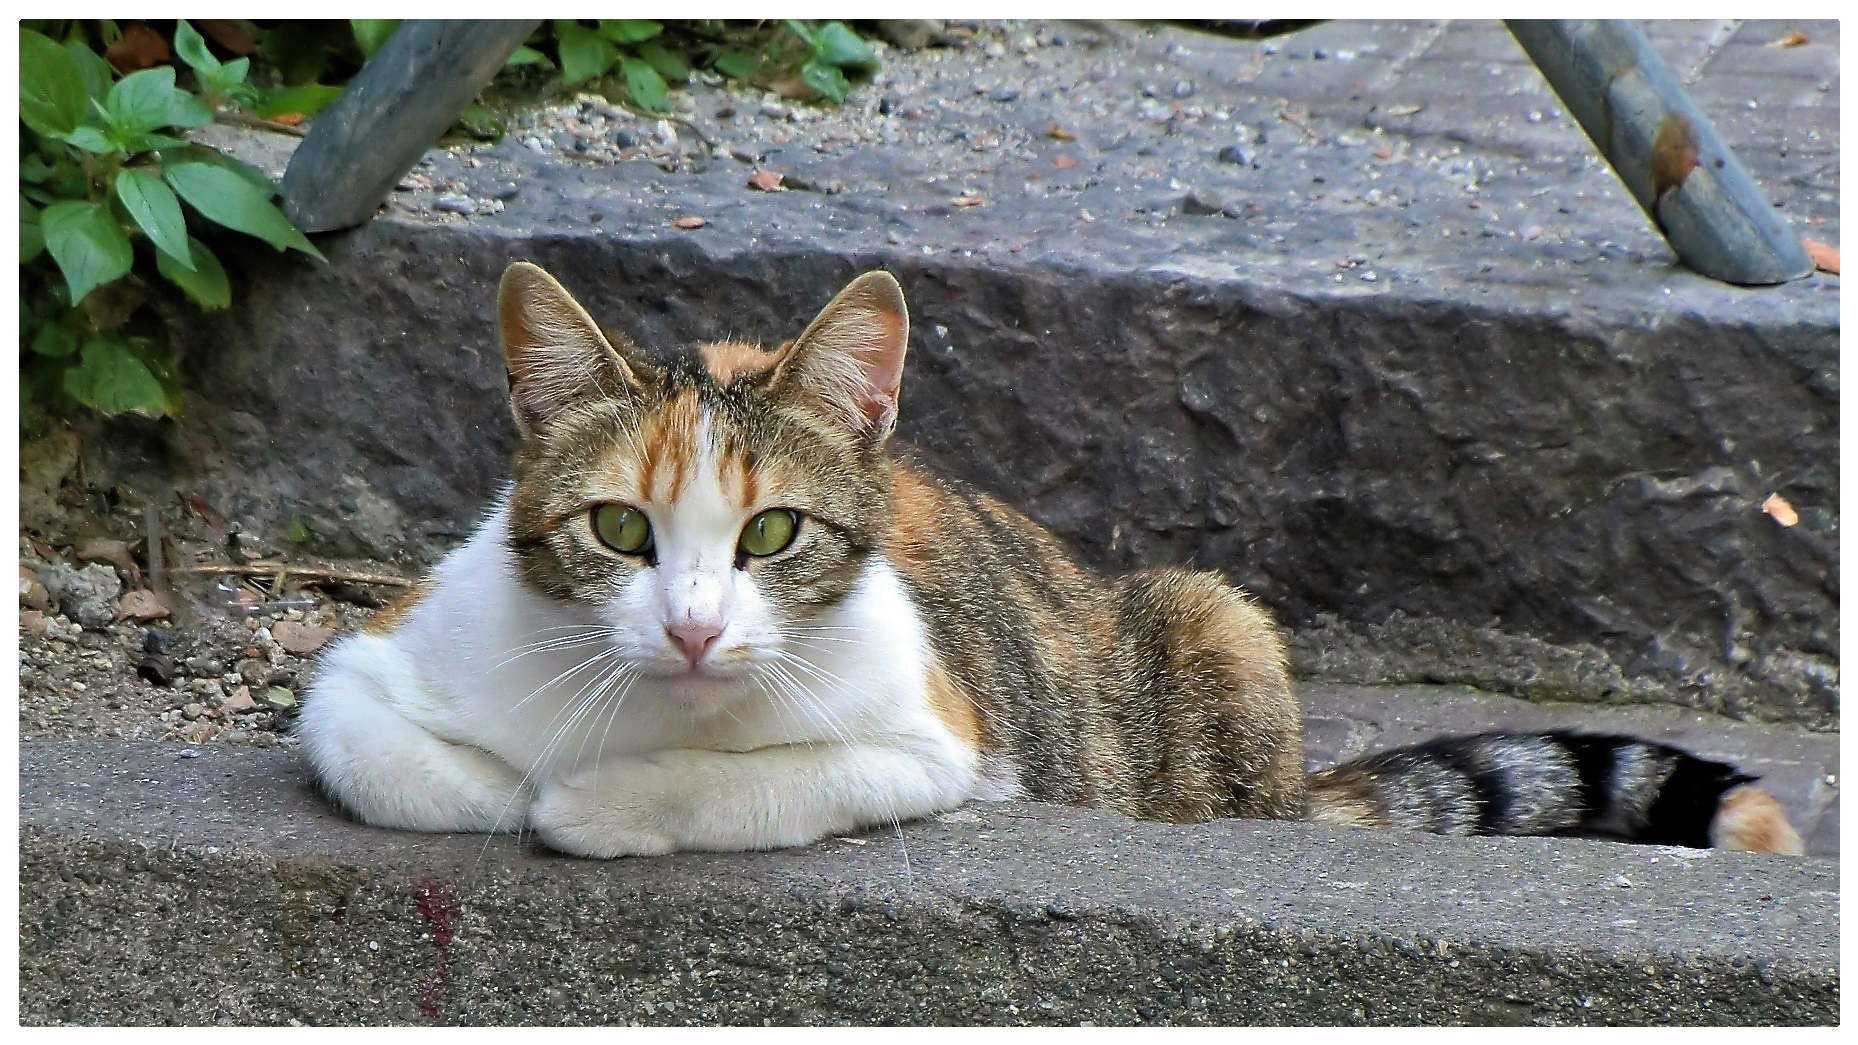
(706, 507)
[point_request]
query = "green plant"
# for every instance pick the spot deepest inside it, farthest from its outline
(105, 180)
(831, 49)
(805, 60)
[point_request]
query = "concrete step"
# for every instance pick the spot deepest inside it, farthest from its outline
(166, 884)
(1426, 381)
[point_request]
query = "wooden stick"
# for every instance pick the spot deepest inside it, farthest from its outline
(245, 119)
(311, 572)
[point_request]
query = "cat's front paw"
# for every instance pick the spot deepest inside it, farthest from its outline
(611, 814)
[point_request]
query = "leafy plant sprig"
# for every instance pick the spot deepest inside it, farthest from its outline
(105, 170)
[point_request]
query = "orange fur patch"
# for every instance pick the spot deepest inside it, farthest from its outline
(1749, 819)
(728, 360)
(388, 616)
(951, 704)
(670, 448)
(1343, 798)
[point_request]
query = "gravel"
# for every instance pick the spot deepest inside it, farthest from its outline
(214, 670)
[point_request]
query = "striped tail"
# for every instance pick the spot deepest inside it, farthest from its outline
(1557, 783)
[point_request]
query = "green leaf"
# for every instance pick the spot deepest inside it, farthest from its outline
(31, 237)
(299, 531)
(371, 33)
(670, 66)
(113, 380)
(55, 341)
(95, 72)
(222, 196)
(34, 169)
(584, 55)
(256, 178)
(90, 248)
(192, 49)
(304, 99)
(835, 44)
(826, 79)
(186, 110)
(799, 29)
(51, 86)
(206, 284)
(92, 139)
(737, 65)
(524, 55)
(141, 102)
(647, 87)
(150, 142)
(156, 212)
(628, 30)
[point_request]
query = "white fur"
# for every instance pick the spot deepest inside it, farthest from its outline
(462, 718)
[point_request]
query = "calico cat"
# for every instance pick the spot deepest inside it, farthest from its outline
(715, 610)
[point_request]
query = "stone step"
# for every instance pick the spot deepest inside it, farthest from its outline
(163, 884)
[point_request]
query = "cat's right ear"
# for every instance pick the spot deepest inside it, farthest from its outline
(556, 353)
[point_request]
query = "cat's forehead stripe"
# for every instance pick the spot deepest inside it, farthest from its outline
(671, 448)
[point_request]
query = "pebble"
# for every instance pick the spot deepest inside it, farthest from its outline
(143, 605)
(88, 596)
(1238, 154)
(774, 110)
(1184, 89)
(1005, 92)
(464, 205)
(280, 699)
(238, 701)
(301, 639)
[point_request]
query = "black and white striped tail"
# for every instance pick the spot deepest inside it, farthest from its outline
(1557, 783)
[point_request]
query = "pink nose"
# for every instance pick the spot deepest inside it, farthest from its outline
(694, 639)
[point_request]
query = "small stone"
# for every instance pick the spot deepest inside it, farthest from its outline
(110, 550)
(188, 752)
(1200, 201)
(254, 672)
(32, 594)
(1238, 154)
(505, 192)
(142, 605)
(623, 138)
(88, 596)
(301, 639)
(32, 621)
(1005, 92)
(193, 711)
(1184, 89)
(239, 701)
(464, 205)
(277, 698)
(774, 110)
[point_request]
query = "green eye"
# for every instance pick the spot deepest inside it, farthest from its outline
(770, 531)
(622, 528)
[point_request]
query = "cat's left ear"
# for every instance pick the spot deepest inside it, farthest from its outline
(851, 355)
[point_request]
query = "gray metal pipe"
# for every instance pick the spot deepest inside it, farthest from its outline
(391, 113)
(1662, 146)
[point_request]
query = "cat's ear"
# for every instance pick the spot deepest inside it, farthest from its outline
(556, 354)
(851, 355)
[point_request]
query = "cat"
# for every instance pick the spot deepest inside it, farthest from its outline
(715, 609)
